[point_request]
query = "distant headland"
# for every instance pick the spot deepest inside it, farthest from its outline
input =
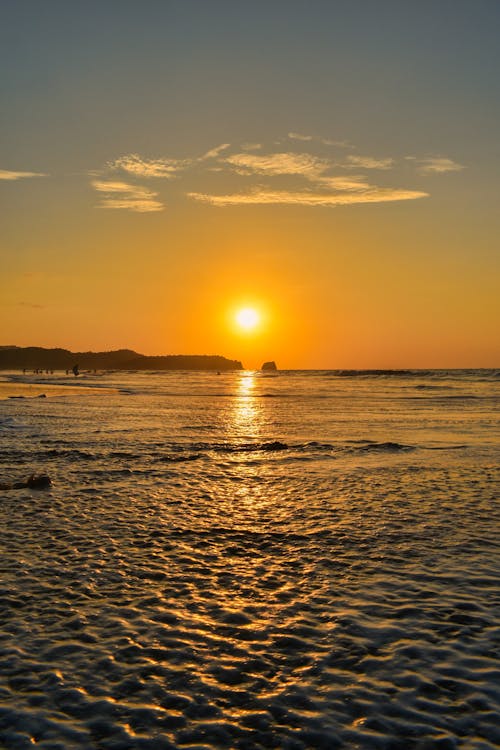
(35, 357)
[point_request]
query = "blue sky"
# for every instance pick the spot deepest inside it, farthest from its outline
(85, 79)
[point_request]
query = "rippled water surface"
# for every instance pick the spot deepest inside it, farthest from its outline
(300, 560)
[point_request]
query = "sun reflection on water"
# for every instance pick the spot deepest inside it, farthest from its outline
(248, 424)
(246, 416)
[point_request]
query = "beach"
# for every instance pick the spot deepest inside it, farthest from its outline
(40, 390)
(302, 560)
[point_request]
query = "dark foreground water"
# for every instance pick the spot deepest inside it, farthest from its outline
(306, 560)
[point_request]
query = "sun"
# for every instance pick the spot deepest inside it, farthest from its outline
(247, 318)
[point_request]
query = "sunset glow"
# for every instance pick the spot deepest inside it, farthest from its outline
(249, 373)
(234, 197)
(247, 318)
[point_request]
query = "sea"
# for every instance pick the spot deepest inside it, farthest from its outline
(301, 559)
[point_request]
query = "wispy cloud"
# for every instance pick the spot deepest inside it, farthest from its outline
(136, 165)
(6, 174)
(107, 186)
(438, 165)
(352, 183)
(126, 196)
(300, 137)
(213, 153)
(369, 162)
(161, 167)
(305, 198)
(298, 170)
(317, 139)
(251, 146)
(132, 204)
(306, 165)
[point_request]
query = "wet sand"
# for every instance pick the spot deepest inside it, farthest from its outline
(211, 572)
(122, 632)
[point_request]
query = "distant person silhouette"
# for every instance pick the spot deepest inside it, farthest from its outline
(76, 371)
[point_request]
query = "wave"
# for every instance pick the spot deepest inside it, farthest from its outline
(378, 373)
(193, 450)
(177, 459)
(428, 387)
(270, 446)
(73, 453)
(10, 423)
(476, 374)
(388, 447)
(446, 447)
(358, 447)
(446, 397)
(184, 453)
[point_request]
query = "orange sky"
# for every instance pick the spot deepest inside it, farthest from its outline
(160, 170)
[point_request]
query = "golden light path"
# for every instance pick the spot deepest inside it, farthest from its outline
(245, 413)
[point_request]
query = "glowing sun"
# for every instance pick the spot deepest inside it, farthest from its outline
(247, 318)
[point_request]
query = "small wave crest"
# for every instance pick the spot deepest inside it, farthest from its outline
(357, 447)
(429, 387)
(193, 450)
(274, 445)
(178, 458)
(10, 423)
(71, 453)
(380, 373)
(387, 447)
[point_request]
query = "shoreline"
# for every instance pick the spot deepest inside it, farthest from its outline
(13, 390)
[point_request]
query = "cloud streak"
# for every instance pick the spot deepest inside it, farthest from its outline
(123, 195)
(161, 167)
(300, 174)
(213, 153)
(306, 198)
(306, 165)
(139, 167)
(317, 139)
(438, 165)
(352, 183)
(6, 174)
(369, 162)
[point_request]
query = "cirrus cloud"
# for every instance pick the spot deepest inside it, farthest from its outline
(306, 198)
(7, 174)
(300, 173)
(136, 165)
(369, 162)
(438, 165)
(161, 167)
(317, 139)
(306, 165)
(126, 196)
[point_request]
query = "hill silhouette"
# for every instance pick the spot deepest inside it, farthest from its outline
(35, 357)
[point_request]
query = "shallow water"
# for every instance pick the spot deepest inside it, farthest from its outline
(306, 560)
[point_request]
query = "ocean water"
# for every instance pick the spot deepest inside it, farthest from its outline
(249, 560)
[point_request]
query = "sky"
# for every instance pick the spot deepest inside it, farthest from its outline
(330, 164)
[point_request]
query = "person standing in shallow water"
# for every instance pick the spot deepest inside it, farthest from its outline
(76, 371)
